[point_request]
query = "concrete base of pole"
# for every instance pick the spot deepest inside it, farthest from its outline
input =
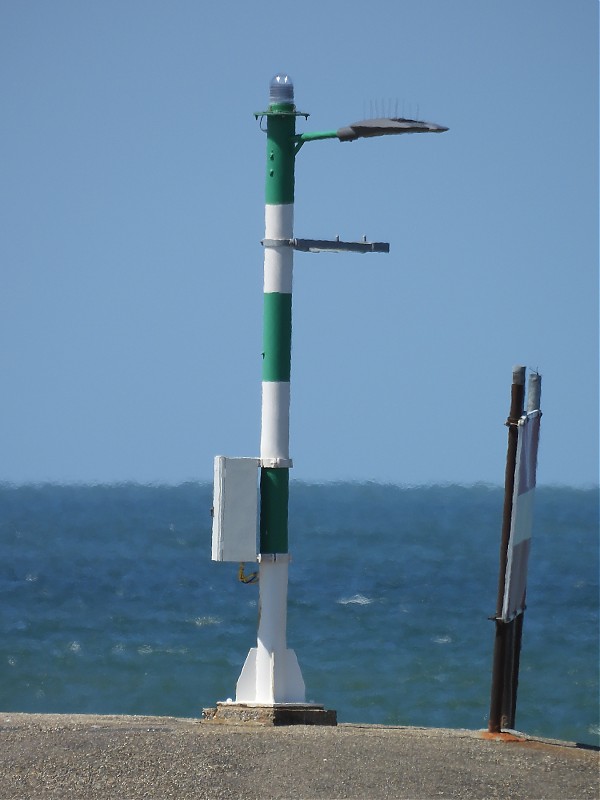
(278, 714)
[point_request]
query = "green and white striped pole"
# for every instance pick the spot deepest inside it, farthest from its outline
(271, 674)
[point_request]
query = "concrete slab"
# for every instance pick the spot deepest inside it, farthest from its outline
(279, 714)
(57, 756)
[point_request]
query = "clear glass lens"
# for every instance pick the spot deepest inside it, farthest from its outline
(281, 89)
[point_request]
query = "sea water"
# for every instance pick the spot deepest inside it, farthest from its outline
(110, 604)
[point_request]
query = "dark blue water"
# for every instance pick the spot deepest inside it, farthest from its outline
(109, 603)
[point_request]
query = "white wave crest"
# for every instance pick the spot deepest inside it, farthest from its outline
(356, 599)
(202, 622)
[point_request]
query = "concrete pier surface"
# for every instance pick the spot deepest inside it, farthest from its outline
(125, 758)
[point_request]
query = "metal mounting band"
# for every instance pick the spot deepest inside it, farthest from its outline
(276, 463)
(273, 557)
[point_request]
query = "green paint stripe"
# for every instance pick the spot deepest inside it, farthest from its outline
(282, 108)
(274, 496)
(277, 336)
(279, 185)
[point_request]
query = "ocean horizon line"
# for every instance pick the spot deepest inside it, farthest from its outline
(305, 482)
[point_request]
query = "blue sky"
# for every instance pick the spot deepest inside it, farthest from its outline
(131, 192)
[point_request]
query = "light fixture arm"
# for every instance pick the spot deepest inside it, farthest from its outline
(368, 128)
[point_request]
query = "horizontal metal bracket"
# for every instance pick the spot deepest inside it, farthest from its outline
(329, 245)
(276, 463)
(272, 558)
(281, 113)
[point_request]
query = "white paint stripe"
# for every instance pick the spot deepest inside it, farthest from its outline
(279, 224)
(278, 676)
(279, 221)
(271, 673)
(273, 585)
(522, 518)
(275, 423)
(521, 527)
(278, 269)
(516, 583)
(527, 449)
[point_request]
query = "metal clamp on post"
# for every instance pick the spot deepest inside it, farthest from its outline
(273, 558)
(276, 242)
(276, 463)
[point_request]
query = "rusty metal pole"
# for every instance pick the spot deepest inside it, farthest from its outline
(504, 634)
